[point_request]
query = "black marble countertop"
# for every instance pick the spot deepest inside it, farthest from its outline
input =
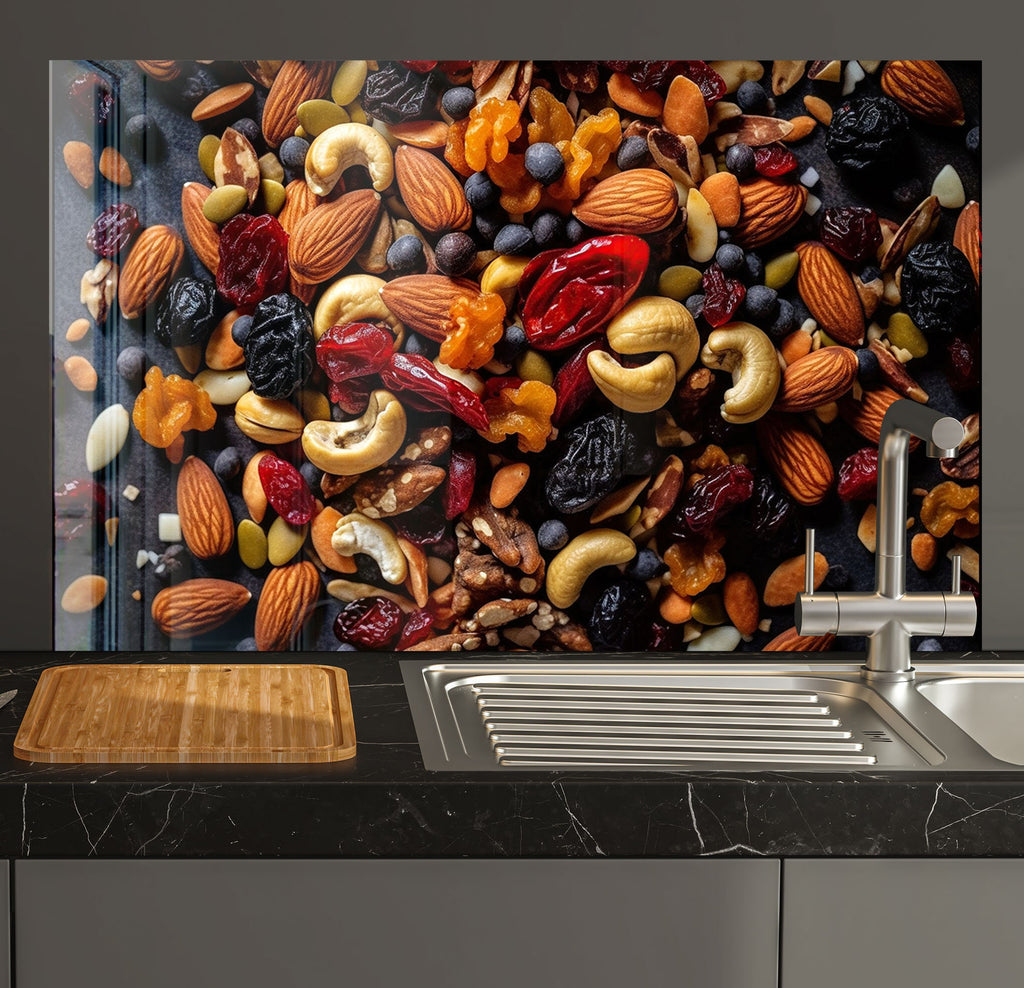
(384, 803)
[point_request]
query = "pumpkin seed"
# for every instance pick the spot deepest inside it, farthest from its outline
(252, 544)
(679, 282)
(223, 203)
(284, 540)
(273, 195)
(348, 81)
(208, 148)
(316, 115)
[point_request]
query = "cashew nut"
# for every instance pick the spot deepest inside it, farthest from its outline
(750, 356)
(357, 533)
(354, 298)
(350, 448)
(654, 323)
(588, 552)
(635, 389)
(342, 146)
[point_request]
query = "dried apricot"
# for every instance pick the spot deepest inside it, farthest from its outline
(946, 504)
(476, 324)
(520, 191)
(587, 152)
(169, 406)
(524, 411)
(455, 148)
(492, 125)
(551, 122)
(695, 564)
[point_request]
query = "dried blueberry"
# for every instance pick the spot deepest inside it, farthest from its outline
(552, 535)
(645, 565)
(228, 464)
(458, 101)
(143, 137)
(406, 255)
(292, 153)
(250, 130)
(187, 313)
(575, 231)
(729, 258)
(416, 344)
(620, 615)
(279, 347)
(488, 222)
(544, 162)
(739, 159)
(868, 370)
(131, 364)
(514, 238)
(973, 140)
(761, 304)
(195, 86)
(909, 193)
(480, 191)
(247, 645)
(632, 153)
(312, 476)
(928, 645)
(868, 136)
(512, 343)
(455, 253)
(938, 289)
(784, 322)
(751, 97)
(394, 94)
(753, 269)
(240, 329)
(548, 229)
(695, 305)
(837, 578)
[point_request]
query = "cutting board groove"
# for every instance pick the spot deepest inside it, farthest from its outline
(222, 712)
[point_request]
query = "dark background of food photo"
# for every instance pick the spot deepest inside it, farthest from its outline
(158, 173)
(26, 515)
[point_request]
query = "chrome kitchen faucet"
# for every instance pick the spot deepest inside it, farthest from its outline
(889, 615)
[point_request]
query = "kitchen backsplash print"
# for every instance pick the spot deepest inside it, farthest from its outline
(522, 355)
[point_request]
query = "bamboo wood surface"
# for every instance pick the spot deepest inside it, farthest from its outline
(223, 712)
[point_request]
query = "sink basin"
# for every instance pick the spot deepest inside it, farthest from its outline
(990, 710)
(627, 713)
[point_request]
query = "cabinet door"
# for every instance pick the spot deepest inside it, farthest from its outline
(940, 923)
(397, 924)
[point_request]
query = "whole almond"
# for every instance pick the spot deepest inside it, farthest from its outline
(508, 482)
(423, 301)
(924, 90)
(431, 191)
(222, 101)
(84, 594)
(81, 373)
(739, 595)
(796, 458)
(114, 168)
(294, 83)
(299, 199)
(639, 201)
(161, 69)
(328, 237)
(790, 641)
(222, 352)
(967, 236)
(421, 133)
(206, 523)
(767, 210)
(829, 293)
(152, 263)
(236, 163)
(321, 531)
(80, 163)
(194, 607)
(866, 415)
(816, 379)
(787, 580)
(753, 130)
(286, 602)
(685, 111)
(253, 494)
(202, 234)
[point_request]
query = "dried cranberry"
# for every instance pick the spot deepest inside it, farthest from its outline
(370, 622)
(421, 67)
(963, 363)
(711, 85)
(493, 386)
(113, 230)
(646, 75)
(79, 506)
(424, 526)
(664, 637)
(574, 384)
(858, 475)
(458, 491)
(773, 160)
(852, 232)
(722, 295)
(92, 98)
(253, 260)
(417, 628)
(286, 490)
(715, 494)
(351, 396)
(353, 350)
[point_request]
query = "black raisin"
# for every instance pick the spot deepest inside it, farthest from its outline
(394, 93)
(620, 618)
(868, 136)
(938, 289)
(187, 313)
(279, 347)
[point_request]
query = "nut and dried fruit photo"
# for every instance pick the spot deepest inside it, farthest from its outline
(503, 355)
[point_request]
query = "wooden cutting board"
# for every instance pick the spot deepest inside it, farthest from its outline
(188, 713)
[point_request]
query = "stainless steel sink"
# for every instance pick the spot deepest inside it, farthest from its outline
(628, 713)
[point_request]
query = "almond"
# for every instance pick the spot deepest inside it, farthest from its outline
(787, 580)
(967, 236)
(294, 83)
(321, 531)
(739, 595)
(202, 234)
(80, 163)
(918, 226)
(639, 201)
(817, 378)
(161, 69)
(253, 494)
(114, 168)
(626, 94)
(416, 582)
(796, 457)
(431, 191)
(222, 352)
(206, 523)
(685, 111)
(895, 374)
(194, 607)
(768, 209)
(866, 415)
(423, 301)
(924, 90)
(328, 237)
(790, 641)
(263, 71)
(288, 596)
(236, 163)
(829, 293)
(785, 75)
(299, 199)
(421, 133)
(507, 483)
(751, 129)
(722, 192)
(223, 100)
(152, 263)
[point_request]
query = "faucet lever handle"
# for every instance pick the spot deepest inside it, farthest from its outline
(956, 573)
(809, 562)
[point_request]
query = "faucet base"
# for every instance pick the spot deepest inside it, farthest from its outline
(886, 676)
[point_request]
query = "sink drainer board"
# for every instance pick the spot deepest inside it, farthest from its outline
(651, 717)
(218, 712)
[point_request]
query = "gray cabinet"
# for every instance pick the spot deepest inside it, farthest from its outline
(940, 923)
(397, 923)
